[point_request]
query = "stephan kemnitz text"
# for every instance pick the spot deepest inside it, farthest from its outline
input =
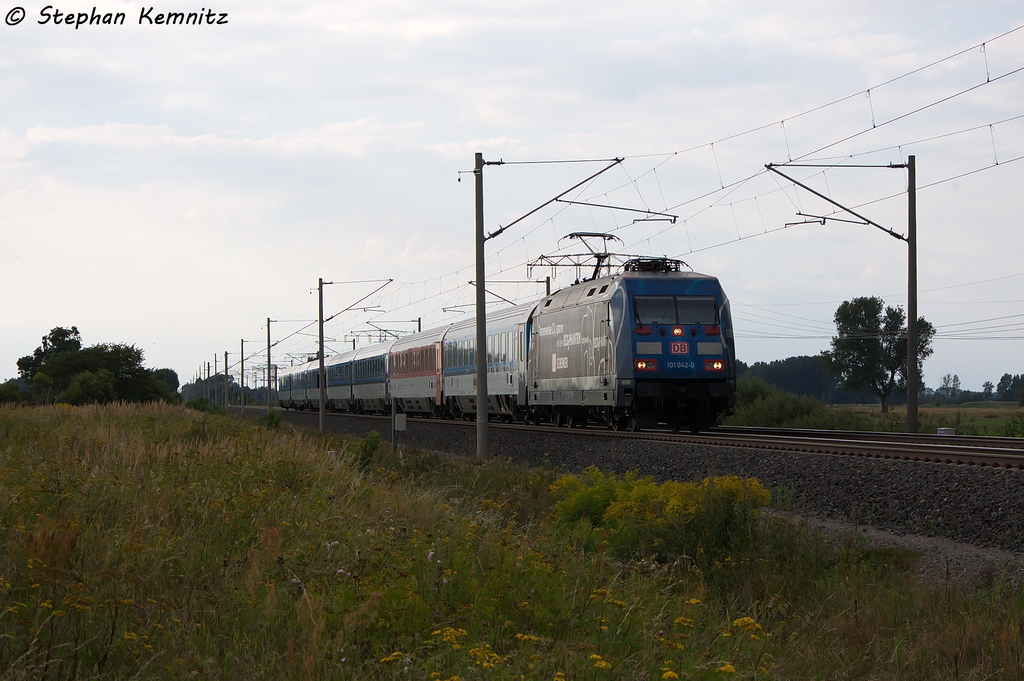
(148, 16)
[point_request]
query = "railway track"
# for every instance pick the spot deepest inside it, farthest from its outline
(999, 452)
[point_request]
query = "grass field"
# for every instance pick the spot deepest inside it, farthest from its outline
(970, 418)
(763, 405)
(158, 542)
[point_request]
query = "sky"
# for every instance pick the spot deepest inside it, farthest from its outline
(174, 186)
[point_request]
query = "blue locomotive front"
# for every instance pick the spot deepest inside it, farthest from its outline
(652, 345)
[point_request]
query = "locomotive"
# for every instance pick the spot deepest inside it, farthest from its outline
(647, 346)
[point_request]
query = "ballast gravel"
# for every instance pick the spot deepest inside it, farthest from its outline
(977, 505)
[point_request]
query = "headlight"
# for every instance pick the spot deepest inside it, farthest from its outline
(646, 364)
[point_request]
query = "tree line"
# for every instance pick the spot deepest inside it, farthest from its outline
(62, 370)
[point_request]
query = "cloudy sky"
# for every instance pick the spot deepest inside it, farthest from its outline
(174, 186)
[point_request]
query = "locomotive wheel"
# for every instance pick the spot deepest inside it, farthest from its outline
(559, 419)
(634, 423)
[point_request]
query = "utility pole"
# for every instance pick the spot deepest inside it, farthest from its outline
(912, 377)
(322, 374)
(480, 352)
(215, 372)
(241, 377)
(911, 239)
(482, 444)
(268, 367)
(227, 383)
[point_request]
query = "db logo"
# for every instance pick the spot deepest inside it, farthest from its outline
(680, 348)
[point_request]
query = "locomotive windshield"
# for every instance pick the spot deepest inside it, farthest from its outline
(694, 310)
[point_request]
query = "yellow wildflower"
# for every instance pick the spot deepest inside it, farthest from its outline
(669, 674)
(726, 669)
(747, 624)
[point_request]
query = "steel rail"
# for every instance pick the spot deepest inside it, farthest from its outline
(928, 438)
(957, 449)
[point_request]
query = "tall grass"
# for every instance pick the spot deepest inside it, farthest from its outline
(761, 404)
(160, 542)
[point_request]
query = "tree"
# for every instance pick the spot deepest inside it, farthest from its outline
(950, 387)
(88, 387)
(869, 350)
(57, 341)
(1004, 388)
(131, 381)
(986, 390)
(168, 376)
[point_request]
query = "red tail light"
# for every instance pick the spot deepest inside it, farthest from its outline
(643, 331)
(646, 364)
(714, 365)
(713, 330)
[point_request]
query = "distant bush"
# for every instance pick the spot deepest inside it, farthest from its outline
(1015, 426)
(10, 393)
(637, 517)
(271, 420)
(761, 404)
(202, 404)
